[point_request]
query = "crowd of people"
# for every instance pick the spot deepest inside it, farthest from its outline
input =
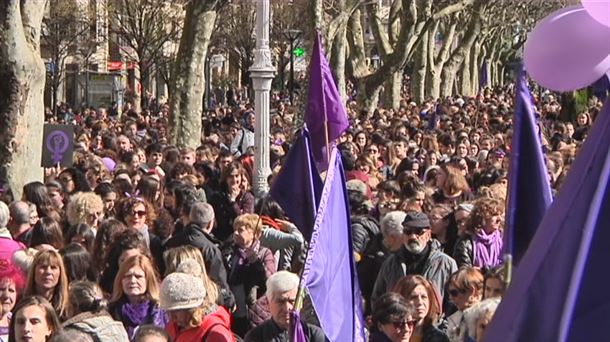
(144, 241)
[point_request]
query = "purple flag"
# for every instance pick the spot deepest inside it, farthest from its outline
(560, 290)
(330, 272)
(323, 105)
(296, 326)
(529, 191)
(298, 186)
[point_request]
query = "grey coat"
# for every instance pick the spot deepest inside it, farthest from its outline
(437, 268)
(99, 325)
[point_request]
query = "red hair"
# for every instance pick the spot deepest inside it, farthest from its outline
(9, 272)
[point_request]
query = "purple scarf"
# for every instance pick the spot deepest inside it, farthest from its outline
(139, 314)
(487, 249)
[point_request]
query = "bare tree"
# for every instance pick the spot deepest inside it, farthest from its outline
(21, 90)
(143, 28)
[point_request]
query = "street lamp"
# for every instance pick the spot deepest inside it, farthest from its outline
(292, 36)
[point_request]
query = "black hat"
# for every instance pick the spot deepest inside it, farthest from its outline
(416, 219)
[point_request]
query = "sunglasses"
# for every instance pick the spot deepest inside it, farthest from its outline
(138, 213)
(456, 292)
(416, 231)
(402, 323)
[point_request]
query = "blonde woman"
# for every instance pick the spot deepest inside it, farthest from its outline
(85, 207)
(183, 296)
(135, 295)
(176, 256)
(47, 278)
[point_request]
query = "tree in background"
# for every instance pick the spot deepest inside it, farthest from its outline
(144, 29)
(22, 72)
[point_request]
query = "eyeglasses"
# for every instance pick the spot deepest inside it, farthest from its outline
(402, 323)
(65, 179)
(138, 213)
(456, 292)
(372, 150)
(416, 231)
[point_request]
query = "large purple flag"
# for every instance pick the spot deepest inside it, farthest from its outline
(330, 272)
(324, 105)
(529, 191)
(298, 186)
(560, 290)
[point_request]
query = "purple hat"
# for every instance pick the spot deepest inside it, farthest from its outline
(109, 163)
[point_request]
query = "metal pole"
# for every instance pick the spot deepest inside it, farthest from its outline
(291, 86)
(208, 77)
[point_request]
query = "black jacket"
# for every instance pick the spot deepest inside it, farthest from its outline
(193, 235)
(364, 229)
(269, 331)
(463, 252)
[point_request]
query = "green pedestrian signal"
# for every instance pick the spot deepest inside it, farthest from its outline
(298, 52)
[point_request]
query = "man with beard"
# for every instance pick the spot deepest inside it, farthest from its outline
(419, 255)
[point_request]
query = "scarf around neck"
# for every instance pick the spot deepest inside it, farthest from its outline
(487, 249)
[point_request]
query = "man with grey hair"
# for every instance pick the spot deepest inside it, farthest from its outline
(282, 288)
(377, 251)
(419, 254)
(197, 233)
(19, 223)
(7, 245)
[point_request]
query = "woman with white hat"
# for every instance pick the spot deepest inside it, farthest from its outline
(182, 296)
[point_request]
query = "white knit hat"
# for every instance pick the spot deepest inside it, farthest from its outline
(183, 289)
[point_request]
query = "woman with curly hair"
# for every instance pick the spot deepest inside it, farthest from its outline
(85, 207)
(482, 244)
(139, 214)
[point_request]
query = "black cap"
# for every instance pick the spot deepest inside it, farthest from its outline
(416, 219)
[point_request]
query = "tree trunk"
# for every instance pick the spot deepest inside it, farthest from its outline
(22, 72)
(189, 81)
(338, 60)
(418, 80)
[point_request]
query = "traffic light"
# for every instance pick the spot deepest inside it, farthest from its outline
(298, 52)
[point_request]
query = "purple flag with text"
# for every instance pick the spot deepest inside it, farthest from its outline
(330, 272)
(325, 108)
(529, 191)
(560, 289)
(298, 186)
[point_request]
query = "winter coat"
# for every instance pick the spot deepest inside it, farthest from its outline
(259, 312)
(269, 331)
(8, 246)
(248, 280)
(214, 327)
(195, 236)
(368, 268)
(463, 253)
(437, 268)
(287, 246)
(364, 229)
(433, 334)
(99, 325)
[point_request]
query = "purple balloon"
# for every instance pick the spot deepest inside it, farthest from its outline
(568, 50)
(599, 10)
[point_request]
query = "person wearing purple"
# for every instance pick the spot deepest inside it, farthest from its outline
(135, 297)
(482, 246)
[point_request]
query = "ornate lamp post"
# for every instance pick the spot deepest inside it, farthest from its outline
(262, 73)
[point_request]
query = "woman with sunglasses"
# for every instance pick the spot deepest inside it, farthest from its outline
(465, 289)
(425, 299)
(393, 319)
(139, 214)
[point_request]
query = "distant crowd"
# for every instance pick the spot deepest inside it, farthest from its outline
(144, 241)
